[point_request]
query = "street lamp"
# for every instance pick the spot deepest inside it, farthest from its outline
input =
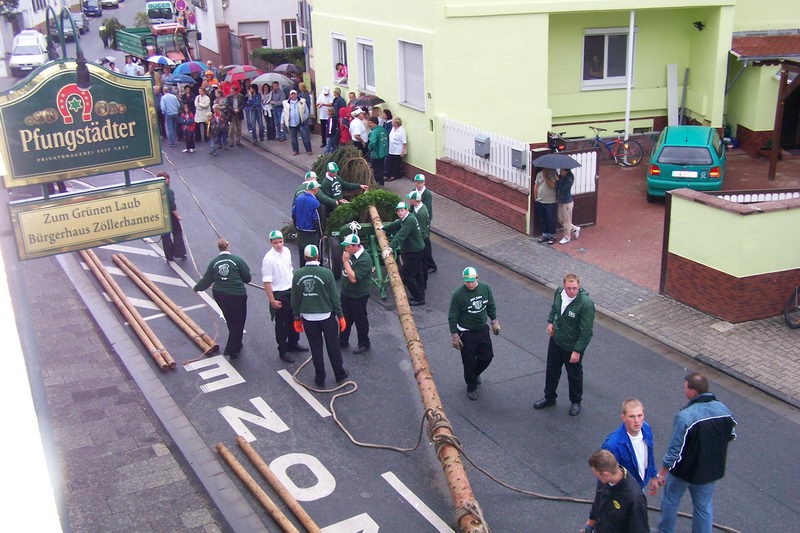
(82, 78)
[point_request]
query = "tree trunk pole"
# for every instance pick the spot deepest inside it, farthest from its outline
(468, 512)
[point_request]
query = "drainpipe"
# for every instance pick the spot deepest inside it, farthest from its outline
(629, 74)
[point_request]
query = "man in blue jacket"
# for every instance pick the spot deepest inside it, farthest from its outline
(632, 444)
(696, 455)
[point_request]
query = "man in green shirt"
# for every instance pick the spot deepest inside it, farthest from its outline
(408, 237)
(378, 146)
(316, 307)
(423, 217)
(228, 273)
(570, 327)
(470, 306)
(331, 190)
(355, 292)
(427, 198)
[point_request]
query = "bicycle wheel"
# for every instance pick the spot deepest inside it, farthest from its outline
(629, 154)
(791, 312)
(325, 258)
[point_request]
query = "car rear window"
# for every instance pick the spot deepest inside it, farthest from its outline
(685, 155)
(27, 50)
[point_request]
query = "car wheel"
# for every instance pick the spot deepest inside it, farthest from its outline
(651, 199)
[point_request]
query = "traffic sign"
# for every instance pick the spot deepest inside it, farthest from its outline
(191, 18)
(180, 5)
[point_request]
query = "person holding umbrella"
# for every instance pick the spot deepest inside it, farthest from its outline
(564, 181)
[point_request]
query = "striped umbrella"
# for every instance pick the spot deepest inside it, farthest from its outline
(190, 66)
(160, 60)
(242, 72)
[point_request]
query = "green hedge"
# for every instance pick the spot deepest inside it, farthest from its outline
(279, 56)
(384, 201)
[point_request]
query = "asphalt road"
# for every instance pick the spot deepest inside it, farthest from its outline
(246, 195)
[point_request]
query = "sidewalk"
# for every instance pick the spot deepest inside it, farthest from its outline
(763, 353)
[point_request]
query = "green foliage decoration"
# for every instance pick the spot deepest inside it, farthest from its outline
(352, 166)
(141, 20)
(385, 201)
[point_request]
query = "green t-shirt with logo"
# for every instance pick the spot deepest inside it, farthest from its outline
(314, 291)
(363, 270)
(470, 308)
(228, 273)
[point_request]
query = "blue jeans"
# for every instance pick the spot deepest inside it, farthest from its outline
(219, 141)
(304, 133)
(171, 121)
(331, 143)
(702, 505)
(255, 122)
(277, 113)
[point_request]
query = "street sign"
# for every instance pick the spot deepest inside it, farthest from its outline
(191, 18)
(180, 5)
(52, 130)
(48, 227)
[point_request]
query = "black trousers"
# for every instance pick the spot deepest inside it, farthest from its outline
(323, 130)
(427, 257)
(412, 275)
(329, 330)
(355, 312)
(304, 238)
(556, 358)
(379, 170)
(234, 309)
(173, 243)
(394, 166)
(476, 355)
(285, 335)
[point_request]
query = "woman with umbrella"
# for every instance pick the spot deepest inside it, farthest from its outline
(266, 110)
(564, 182)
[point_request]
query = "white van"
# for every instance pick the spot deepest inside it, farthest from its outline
(28, 52)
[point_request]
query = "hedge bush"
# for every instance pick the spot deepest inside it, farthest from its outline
(279, 56)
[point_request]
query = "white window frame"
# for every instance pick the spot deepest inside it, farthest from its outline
(284, 34)
(336, 38)
(401, 75)
(362, 67)
(614, 82)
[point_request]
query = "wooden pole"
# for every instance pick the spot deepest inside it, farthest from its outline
(279, 488)
(439, 429)
(776, 131)
(138, 278)
(178, 311)
(148, 344)
(257, 491)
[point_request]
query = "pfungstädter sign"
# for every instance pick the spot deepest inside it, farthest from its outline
(48, 227)
(51, 130)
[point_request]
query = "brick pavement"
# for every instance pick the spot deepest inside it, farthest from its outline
(120, 471)
(763, 353)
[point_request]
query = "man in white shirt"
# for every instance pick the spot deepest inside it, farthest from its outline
(324, 112)
(358, 130)
(276, 273)
(131, 68)
(632, 445)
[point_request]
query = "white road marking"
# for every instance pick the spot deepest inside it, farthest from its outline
(190, 308)
(304, 394)
(221, 367)
(137, 302)
(426, 512)
(130, 250)
(167, 280)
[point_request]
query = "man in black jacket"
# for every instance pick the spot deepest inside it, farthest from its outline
(619, 503)
(236, 114)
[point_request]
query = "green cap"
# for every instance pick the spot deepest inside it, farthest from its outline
(310, 175)
(312, 185)
(311, 251)
(351, 239)
(470, 274)
(419, 177)
(401, 205)
(275, 234)
(414, 195)
(333, 167)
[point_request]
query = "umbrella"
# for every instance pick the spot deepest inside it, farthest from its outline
(286, 68)
(190, 66)
(160, 60)
(108, 59)
(179, 78)
(270, 77)
(555, 161)
(242, 72)
(369, 100)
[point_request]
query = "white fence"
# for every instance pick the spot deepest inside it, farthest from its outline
(459, 145)
(749, 198)
(586, 174)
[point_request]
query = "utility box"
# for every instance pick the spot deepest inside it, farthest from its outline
(482, 146)
(518, 159)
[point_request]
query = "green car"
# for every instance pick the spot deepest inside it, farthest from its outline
(686, 156)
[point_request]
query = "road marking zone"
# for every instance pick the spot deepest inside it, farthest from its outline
(130, 250)
(190, 308)
(426, 512)
(158, 278)
(304, 394)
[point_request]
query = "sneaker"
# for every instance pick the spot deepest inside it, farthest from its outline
(286, 357)
(343, 377)
(577, 231)
(360, 349)
(543, 238)
(185, 150)
(191, 150)
(564, 240)
(472, 394)
(551, 241)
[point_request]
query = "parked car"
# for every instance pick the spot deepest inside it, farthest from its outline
(109, 3)
(92, 8)
(686, 156)
(28, 51)
(81, 22)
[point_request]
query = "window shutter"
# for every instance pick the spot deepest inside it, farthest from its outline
(413, 74)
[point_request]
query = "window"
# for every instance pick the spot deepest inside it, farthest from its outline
(339, 50)
(366, 65)
(604, 58)
(412, 75)
(290, 33)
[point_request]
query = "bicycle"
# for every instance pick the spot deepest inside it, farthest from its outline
(791, 312)
(625, 153)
